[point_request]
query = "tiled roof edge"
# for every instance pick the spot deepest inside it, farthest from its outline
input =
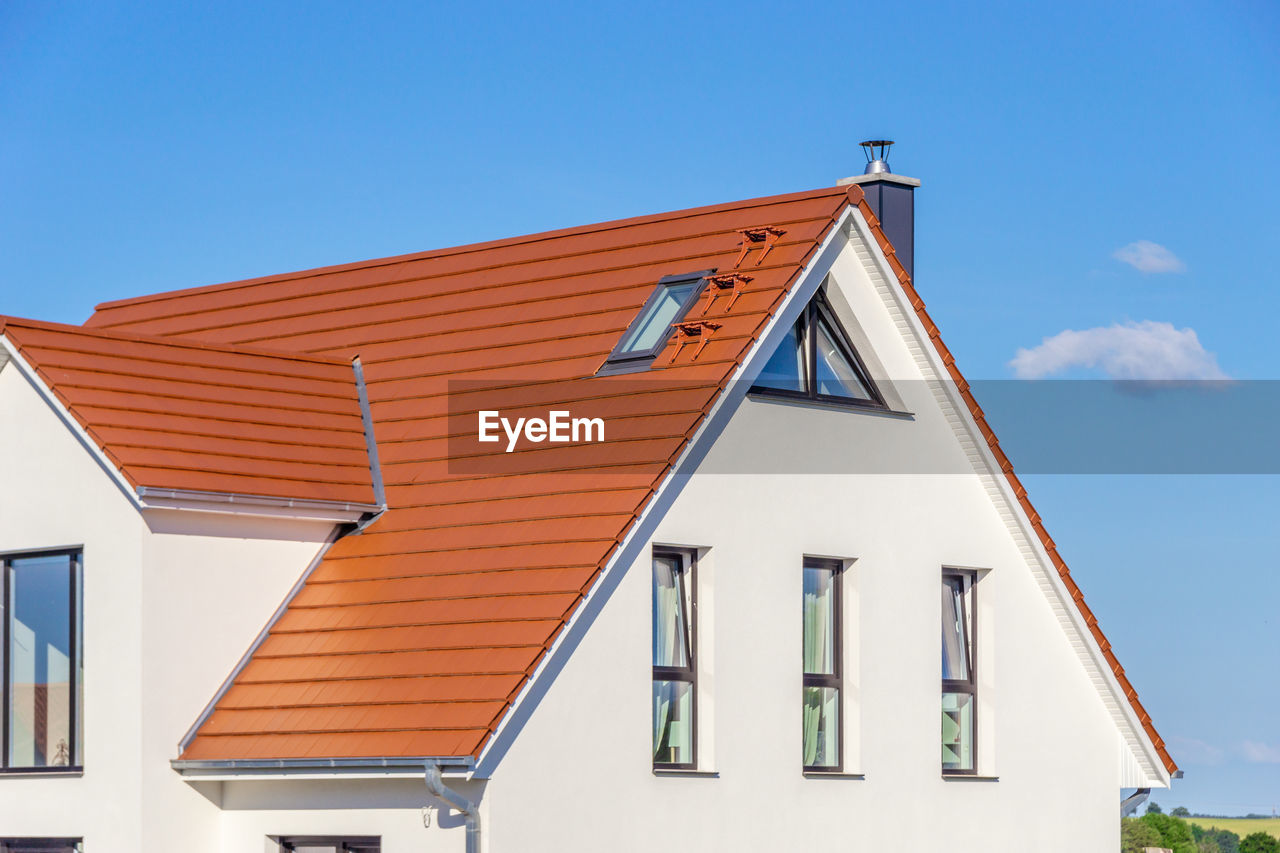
(179, 341)
(857, 198)
(469, 247)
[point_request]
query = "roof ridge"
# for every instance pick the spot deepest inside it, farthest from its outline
(467, 248)
(169, 341)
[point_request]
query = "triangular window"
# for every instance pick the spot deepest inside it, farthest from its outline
(816, 361)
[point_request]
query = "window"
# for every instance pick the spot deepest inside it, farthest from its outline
(816, 361)
(40, 845)
(331, 844)
(822, 670)
(42, 666)
(674, 671)
(959, 682)
(648, 334)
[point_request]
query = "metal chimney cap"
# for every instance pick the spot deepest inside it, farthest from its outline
(877, 161)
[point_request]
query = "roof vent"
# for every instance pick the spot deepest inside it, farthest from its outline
(877, 160)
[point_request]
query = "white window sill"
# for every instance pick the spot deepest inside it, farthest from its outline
(832, 774)
(968, 777)
(41, 774)
(708, 774)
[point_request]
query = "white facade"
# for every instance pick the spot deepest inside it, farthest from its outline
(173, 599)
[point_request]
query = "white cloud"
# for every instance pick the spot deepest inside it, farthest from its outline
(1257, 752)
(1145, 256)
(1146, 350)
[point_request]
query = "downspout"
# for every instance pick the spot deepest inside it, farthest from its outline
(469, 810)
(1130, 803)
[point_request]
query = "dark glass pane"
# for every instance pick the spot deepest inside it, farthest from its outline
(821, 727)
(955, 633)
(670, 612)
(819, 621)
(836, 374)
(785, 368)
(657, 318)
(672, 722)
(40, 661)
(957, 731)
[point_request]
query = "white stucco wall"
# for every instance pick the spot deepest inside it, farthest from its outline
(1043, 731)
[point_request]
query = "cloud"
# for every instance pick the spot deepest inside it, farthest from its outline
(1145, 256)
(1146, 350)
(1189, 750)
(1257, 752)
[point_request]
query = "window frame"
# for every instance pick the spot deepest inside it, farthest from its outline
(836, 680)
(76, 605)
(339, 843)
(819, 307)
(969, 686)
(53, 845)
(620, 361)
(688, 674)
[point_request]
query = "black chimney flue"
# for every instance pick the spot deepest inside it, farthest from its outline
(892, 199)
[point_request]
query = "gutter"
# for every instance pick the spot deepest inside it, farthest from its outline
(293, 768)
(469, 810)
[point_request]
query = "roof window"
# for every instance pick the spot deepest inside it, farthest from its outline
(816, 361)
(650, 331)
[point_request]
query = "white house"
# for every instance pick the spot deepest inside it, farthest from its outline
(269, 586)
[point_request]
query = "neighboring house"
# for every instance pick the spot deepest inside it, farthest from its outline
(267, 589)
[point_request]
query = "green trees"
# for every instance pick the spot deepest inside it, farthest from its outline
(1159, 830)
(1154, 808)
(1180, 811)
(1259, 842)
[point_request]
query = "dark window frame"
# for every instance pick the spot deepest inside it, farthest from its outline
(620, 361)
(51, 845)
(689, 674)
(340, 843)
(969, 686)
(819, 307)
(836, 567)
(76, 568)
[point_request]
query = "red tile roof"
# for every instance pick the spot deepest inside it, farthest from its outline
(187, 416)
(414, 637)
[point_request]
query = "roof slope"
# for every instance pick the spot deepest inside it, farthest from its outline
(414, 637)
(179, 415)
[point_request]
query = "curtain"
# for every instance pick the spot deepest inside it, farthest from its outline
(819, 611)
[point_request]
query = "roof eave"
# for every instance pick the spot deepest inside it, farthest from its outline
(320, 768)
(306, 509)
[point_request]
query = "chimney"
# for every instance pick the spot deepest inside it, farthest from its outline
(892, 199)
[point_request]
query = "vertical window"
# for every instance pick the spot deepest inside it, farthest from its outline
(674, 671)
(822, 670)
(959, 683)
(43, 675)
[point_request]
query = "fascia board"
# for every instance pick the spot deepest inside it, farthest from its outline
(1155, 767)
(668, 490)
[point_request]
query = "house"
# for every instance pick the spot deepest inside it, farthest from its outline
(680, 532)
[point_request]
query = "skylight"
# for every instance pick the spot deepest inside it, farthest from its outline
(649, 332)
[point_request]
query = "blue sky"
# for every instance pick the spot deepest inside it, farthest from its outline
(154, 147)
